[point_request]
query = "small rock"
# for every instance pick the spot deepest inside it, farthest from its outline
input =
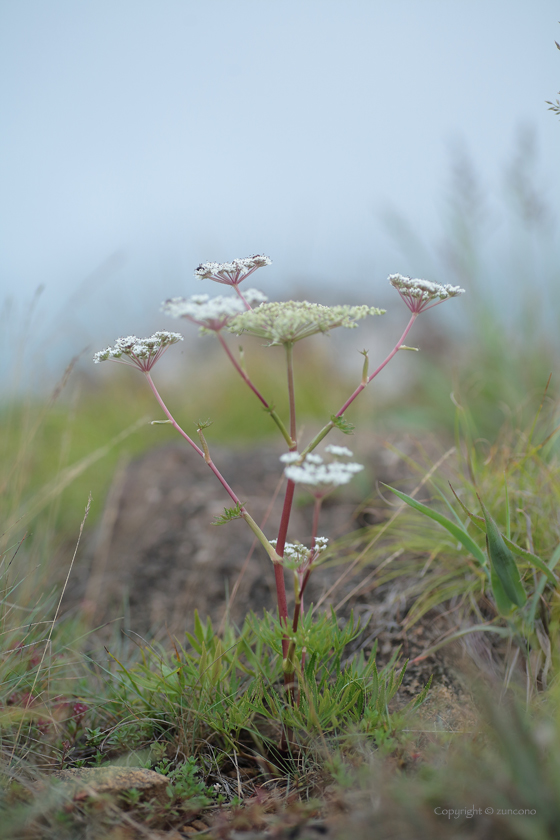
(91, 781)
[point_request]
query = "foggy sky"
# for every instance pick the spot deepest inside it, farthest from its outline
(141, 138)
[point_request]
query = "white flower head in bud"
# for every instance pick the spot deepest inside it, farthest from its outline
(211, 314)
(290, 321)
(232, 273)
(420, 295)
(142, 353)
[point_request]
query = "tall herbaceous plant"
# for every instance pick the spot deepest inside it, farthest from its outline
(280, 323)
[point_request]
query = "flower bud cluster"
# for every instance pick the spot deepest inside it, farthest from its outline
(419, 294)
(289, 321)
(231, 273)
(297, 554)
(211, 314)
(142, 352)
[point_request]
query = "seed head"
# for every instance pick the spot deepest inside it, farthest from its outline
(142, 353)
(290, 321)
(420, 294)
(232, 273)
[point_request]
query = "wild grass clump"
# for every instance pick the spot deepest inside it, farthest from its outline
(479, 538)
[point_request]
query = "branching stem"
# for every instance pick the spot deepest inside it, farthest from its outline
(204, 453)
(255, 390)
(330, 425)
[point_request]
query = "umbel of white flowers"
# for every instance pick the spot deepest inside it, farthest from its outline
(211, 314)
(421, 294)
(313, 472)
(298, 552)
(141, 352)
(290, 321)
(232, 273)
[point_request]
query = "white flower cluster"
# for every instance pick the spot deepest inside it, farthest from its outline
(290, 457)
(231, 273)
(143, 352)
(289, 321)
(211, 313)
(338, 451)
(298, 553)
(420, 292)
(313, 472)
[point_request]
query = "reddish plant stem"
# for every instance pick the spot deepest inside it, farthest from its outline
(240, 370)
(278, 568)
(170, 416)
(386, 361)
(210, 463)
(285, 520)
(236, 287)
(330, 425)
(255, 390)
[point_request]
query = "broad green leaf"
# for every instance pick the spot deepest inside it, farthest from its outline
(503, 603)
(456, 531)
(479, 521)
(503, 562)
(532, 558)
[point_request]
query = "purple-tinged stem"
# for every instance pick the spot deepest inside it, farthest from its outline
(386, 361)
(204, 453)
(170, 416)
(287, 507)
(240, 370)
(255, 390)
(330, 425)
(210, 463)
(236, 287)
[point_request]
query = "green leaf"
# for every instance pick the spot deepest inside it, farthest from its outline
(532, 558)
(228, 515)
(455, 530)
(503, 603)
(476, 520)
(503, 563)
(479, 521)
(342, 424)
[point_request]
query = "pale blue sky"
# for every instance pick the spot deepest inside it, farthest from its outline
(174, 132)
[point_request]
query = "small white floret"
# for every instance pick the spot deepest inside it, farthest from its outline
(290, 457)
(338, 451)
